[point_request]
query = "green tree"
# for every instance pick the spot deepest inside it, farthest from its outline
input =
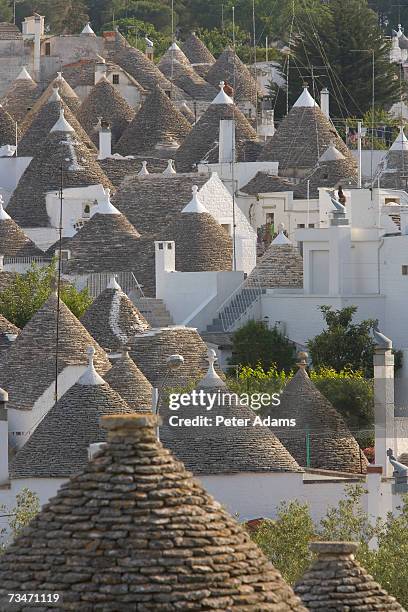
(26, 508)
(27, 293)
(343, 344)
(6, 12)
(255, 344)
(335, 51)
(289, 554)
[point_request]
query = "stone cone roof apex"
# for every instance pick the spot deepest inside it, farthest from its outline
(281, 238)
(331, 154)
(211, 380)
(170, 168)
(305, 100)
(106, 207)
(401, 141)
(24, 75)
(144, 171)
(3, 215)
(62, 124)
(55, 97)
(87, 29)
(91, 377)
(222, 97)
(195, 205)
(174, 47)
(113, 284)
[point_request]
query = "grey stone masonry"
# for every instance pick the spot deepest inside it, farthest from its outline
(134, 531)
(337, 582)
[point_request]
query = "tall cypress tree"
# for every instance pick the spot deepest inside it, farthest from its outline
(336, 52)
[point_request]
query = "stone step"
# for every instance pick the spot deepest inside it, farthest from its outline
(155, 311)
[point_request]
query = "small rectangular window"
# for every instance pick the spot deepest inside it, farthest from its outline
(301, 225)
(115, 79)
(404, 270)
(311, 225)
(48, 48)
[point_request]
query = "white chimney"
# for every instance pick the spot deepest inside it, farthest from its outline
(105, 142)
(325, 102)
(165, 262)
(226, 147)
(1, 263)
(4, 471)
(383, 401)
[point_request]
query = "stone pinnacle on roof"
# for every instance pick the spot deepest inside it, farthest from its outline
(91, 377)
(106, 102)
(8, 331)
(24, 75)
(143, 171)
(401, 141)
(281, 238)
(170, 168)
(212, 380)
(112, 319)
(3, 214)
(195, 205)
(30, 368)
(126, 378)
(157, 125)
(105, 207)
(55, 97)
(305, 99)
(331, 154)
(336, 581)
(62, 124)
(88, 30)
(121, 533)
(222, 97)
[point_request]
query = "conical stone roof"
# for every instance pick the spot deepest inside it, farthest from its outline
(392, 172)
(106, 103)
(280, 266)
(8, 131)
(21, 96)
(196, 51)
(232, 70)
(336, 581)
(106, 243)
(202, 245)
(146, 72)
(58, 447)
(176, 67)
(139, 508)
(331, 445)
(333, 169)
(302, 137)
(222, 449)
(112, 319)
(43, 175)
(157, 123)
(30, 367)
(150, 350)
(36, 134)
(201, 144)
(13, 241)
(126, 378)
(65, 91)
